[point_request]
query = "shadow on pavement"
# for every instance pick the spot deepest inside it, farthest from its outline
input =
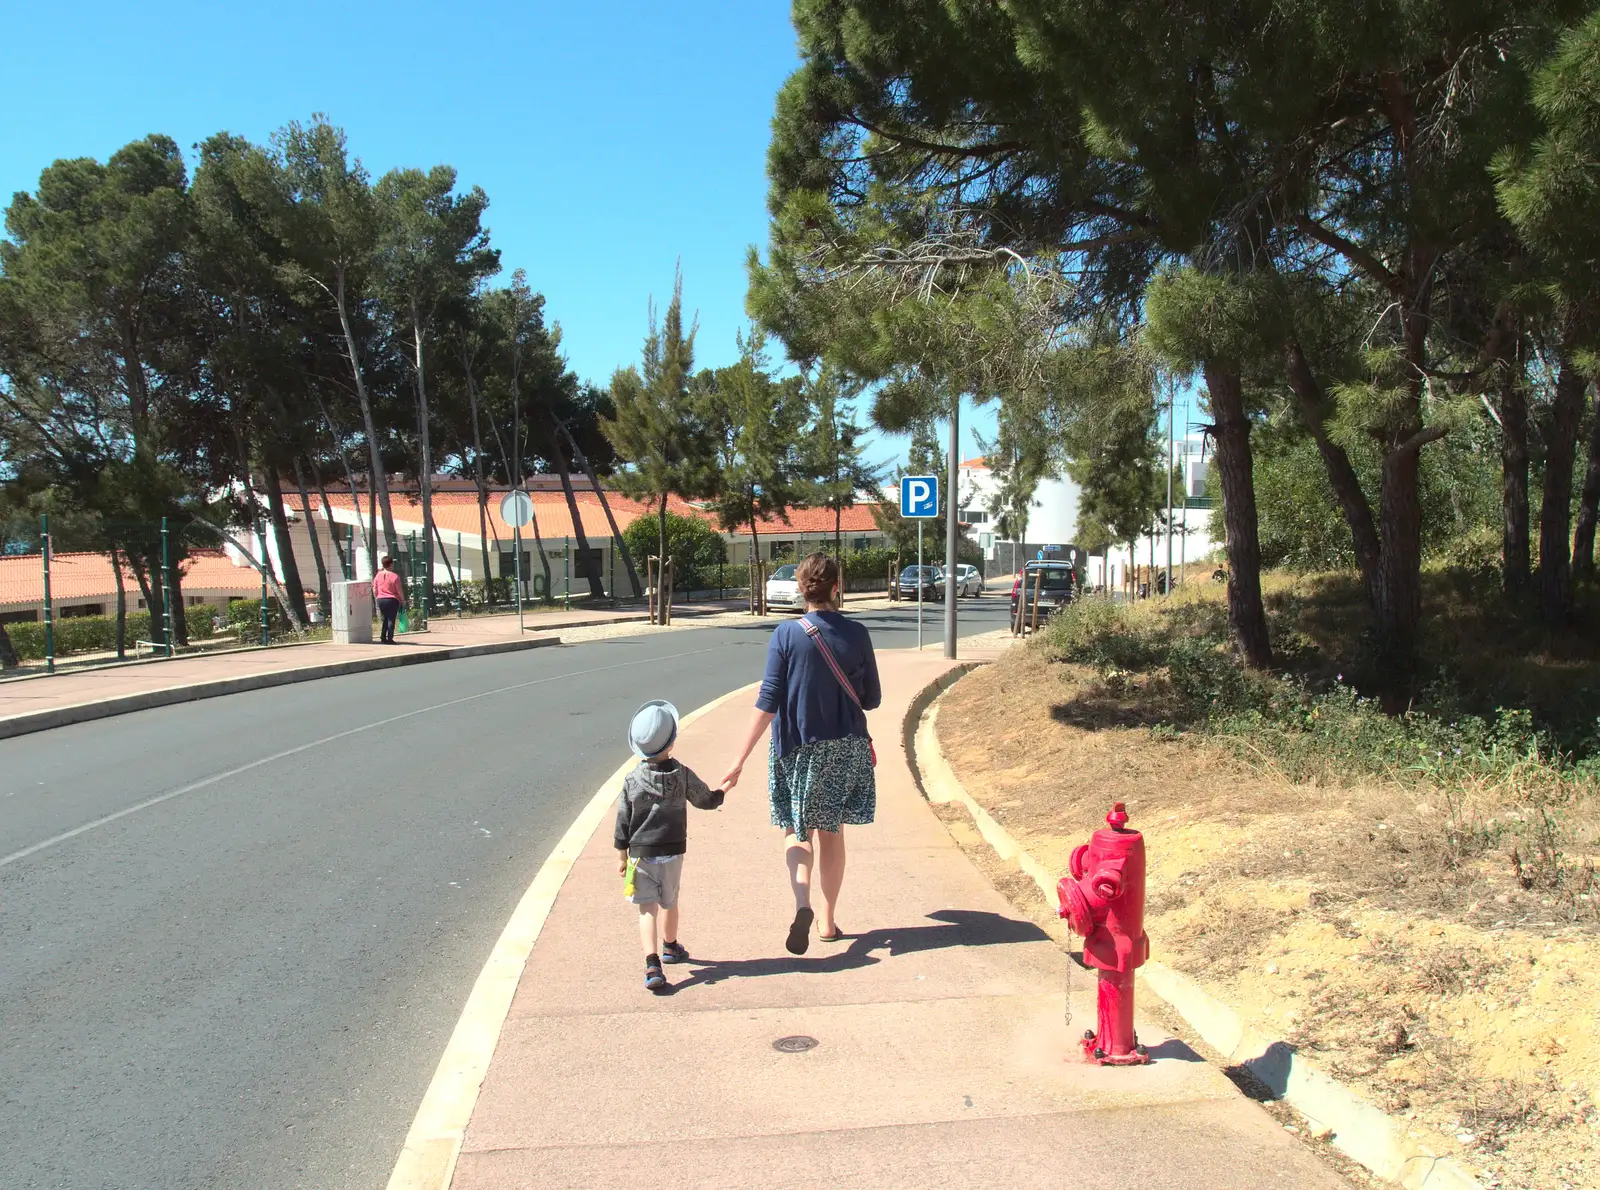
(1173, 1050)
(958, 927)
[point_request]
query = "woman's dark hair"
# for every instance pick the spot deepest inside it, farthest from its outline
(387, 561)
(817, 576)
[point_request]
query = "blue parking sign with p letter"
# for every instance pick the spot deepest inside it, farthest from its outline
(919, 496)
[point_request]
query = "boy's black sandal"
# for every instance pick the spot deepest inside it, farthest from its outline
(654, 978)
(673, 952)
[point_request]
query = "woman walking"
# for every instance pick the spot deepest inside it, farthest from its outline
(387, 591)
(820, 680)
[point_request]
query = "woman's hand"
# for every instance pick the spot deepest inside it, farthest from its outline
(759, 722)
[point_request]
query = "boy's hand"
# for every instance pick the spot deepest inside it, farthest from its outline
(622, 863)
(732, 778)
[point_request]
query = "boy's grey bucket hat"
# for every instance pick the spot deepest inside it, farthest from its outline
(654, 727)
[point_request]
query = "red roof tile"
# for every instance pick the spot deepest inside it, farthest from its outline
(76, 577)
(457, 512)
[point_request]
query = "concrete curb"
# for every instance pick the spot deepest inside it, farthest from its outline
(84, 712)
(433, 1144)
(1360, 1130)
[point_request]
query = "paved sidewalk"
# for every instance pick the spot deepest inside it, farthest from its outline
(91, 693)
(943, 1057)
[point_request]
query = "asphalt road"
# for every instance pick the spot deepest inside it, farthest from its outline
(235, 935)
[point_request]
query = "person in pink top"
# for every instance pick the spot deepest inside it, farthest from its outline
(386, 590)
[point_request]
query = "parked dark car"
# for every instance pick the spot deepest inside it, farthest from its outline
(1057, 582)
(923, 578)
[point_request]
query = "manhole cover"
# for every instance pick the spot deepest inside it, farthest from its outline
(797, 1044)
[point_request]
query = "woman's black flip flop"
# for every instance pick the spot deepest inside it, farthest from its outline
(800, 931)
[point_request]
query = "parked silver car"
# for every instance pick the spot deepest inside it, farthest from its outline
(968, 581)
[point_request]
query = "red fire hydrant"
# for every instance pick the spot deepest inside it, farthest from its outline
(1103, 900)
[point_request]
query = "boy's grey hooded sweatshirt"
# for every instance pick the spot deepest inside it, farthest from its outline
(652, 813)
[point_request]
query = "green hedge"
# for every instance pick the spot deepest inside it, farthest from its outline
(98, 634)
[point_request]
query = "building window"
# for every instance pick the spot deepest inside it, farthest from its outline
(19, 617)
(860, 544)
(508, 564)
(82, 609)
(974, 516)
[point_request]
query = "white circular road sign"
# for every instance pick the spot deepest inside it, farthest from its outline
(516, 508)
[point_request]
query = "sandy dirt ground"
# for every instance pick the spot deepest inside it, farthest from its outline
(1442, 982)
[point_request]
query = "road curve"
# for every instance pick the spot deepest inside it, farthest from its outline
(235, 935)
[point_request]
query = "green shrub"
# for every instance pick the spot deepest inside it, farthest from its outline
(868, 570)
(98, 634)
(695, 548)
(244, 617)
(1309, 729)
(1105, 634)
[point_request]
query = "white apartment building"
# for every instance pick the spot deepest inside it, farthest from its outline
(1053, 523)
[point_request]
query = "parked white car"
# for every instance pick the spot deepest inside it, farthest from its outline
(783, 592)
(968, 581)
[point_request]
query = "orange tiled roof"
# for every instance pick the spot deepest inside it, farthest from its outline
(978, 464)
(77, 577)
(457, 512)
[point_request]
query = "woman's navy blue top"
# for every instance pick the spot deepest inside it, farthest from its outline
(800, 690)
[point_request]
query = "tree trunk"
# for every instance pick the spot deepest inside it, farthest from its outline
(288, 564)
(758, 592)
(367, 542)
(591, 566)
(156, 601)
(477, 472)
(122, 603)
(324, 601)
(662, 532)
(1235, 466)
(544, 558)
(1313, 403)
(8, 651)
(424, 438)
(1555, 562)
(455, 582)
(180, 621)
(1588, 505)
(262, 567)
(347, 563)
(380, 479)
(616, 534)
(1515, 562)
(143, 579)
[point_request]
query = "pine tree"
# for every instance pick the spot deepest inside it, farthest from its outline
(653, 428)
(833, 454)
(755, 424)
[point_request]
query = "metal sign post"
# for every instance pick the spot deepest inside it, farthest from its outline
(516, 510)
(919, 501)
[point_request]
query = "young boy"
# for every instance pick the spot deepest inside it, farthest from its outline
(652, 832)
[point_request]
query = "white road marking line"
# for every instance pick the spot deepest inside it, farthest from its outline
(107, 819)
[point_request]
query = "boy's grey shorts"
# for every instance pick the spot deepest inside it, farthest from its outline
(656, 881)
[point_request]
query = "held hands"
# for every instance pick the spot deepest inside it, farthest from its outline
(732, 777)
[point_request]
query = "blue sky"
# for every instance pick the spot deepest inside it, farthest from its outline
(613, 139)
